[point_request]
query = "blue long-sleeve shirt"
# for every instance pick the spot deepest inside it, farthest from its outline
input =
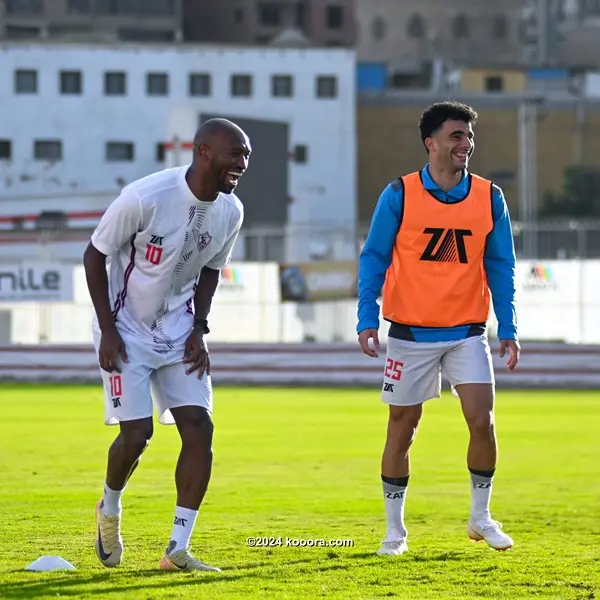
(376, 257)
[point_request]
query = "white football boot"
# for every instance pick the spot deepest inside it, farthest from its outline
(109, 544)
(183, 560)
(394, 543)
(490, 531)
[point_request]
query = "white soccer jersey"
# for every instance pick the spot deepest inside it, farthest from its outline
(159, 236)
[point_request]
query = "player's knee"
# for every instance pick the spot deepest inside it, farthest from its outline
(135, 439)
(482, 425)
(198, 429)
(403, 423)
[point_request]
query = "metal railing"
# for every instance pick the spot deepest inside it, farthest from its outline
(566, 239)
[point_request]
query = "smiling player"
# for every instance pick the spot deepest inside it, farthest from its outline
(168, 236)
(440, 241)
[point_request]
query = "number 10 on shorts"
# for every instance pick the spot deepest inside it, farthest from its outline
(115, 386)
(393, 369)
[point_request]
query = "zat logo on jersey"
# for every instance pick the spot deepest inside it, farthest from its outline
(154, 249)
(203, 240)
(452, 247)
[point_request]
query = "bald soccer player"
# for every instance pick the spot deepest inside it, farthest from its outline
(440, 241)
(167, 236)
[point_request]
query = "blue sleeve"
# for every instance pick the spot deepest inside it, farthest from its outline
(376, 255)
(499, 263)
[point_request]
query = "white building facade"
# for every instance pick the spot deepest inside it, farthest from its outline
(81, 121)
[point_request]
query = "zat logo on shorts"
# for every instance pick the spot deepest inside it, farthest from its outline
(116, 390)
(154, 250)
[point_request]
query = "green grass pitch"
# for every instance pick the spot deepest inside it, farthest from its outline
(305, 464)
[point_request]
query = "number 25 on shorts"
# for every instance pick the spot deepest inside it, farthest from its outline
(393, 369)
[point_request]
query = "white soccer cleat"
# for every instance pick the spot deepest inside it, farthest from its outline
(184, 561)
(393, 547)
(109, 544)
(490, 531)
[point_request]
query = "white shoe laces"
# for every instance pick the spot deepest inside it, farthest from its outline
(489, 526)
(109, 529)
(392, 544)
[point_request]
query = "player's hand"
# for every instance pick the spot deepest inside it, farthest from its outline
(363, 339)
(514, 351)
(196, 354)
(111, 348)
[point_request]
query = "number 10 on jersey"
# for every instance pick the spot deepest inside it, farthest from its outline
(153, 254)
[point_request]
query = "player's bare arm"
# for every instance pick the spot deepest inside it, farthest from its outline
(112, 346)
(196, 352)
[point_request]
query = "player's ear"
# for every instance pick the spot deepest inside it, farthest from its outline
(202, 151)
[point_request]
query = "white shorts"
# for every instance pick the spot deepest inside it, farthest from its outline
(151, 376)
(414, 370)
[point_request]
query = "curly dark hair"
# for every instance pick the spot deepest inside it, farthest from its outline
(437, 114)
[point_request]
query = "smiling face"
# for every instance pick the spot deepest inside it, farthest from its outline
(229, 157)
(222, 157)
(451, 146)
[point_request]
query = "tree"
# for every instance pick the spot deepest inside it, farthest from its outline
(580, 196)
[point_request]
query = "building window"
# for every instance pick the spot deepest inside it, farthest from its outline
(269, 14)
(70, 82)
(81, 7)
(160, 152)
(32, 7)
(494, 83)
(50, 150)
(499, 27)
(416, 27)
(5, 150)
(327, 86)
(378, 28)
(241, 85)
(61, 31)
(119, 152)
(115, 83)
(157, 84)
(335, 17)
(146, 35)
(18, 32)
(282, 86)
(238, 16)
(200, 84)
(136, 8)
(26, 81)
(301, 154)
(460, 27)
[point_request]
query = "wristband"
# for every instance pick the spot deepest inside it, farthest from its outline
(201, 325)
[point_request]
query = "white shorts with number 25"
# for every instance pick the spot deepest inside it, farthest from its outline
(414, 370)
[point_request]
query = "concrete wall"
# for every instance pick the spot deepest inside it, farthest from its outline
(235, 22)
(397, 45)
(474, 80)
